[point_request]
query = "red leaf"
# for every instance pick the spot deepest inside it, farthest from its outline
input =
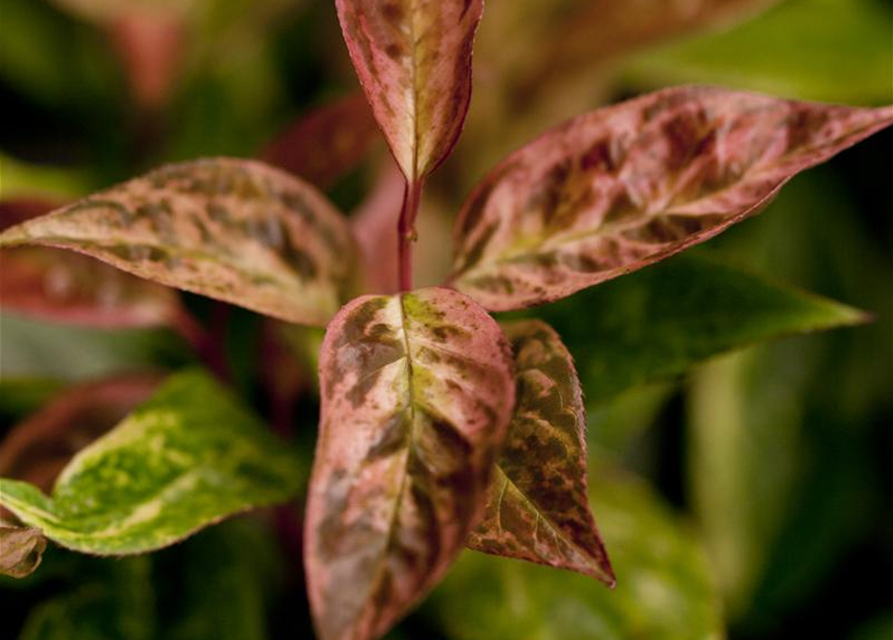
(620, 188)
(327, 143)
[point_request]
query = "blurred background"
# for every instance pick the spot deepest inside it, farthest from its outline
(748, 497)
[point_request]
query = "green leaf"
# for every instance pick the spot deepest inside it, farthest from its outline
(537, 503)
(219, 583)
(663, 591)
(235, 230)
(187, 458)
(21, 550)
(32, 349)
(417, 394)
(829, 50)
(659, 322)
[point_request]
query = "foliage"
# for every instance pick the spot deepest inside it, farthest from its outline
(440, 426)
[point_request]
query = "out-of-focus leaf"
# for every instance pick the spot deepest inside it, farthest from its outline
(40, 184)
(327, 143)
(879, 628)
(218, 584)
(832, 50)
(417, 393)
(25, 395)
(742, 463)
(21, 550)
(150, 45)
(118, 607)
(593, 32)
(663, 592)
(38, 448)
(413, 60)
(187, 458)
(785, 472)
(32, 349)
(538, 503)
(622, 187)
(65, 287)
(234, 230)
(659, 322)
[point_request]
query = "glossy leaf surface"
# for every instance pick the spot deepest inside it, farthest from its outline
(413, 59)
(187, 458)
(21, 549)
(235, 230)
(417, 392)
(538, 504)
(664, 585)
(659, 322)
(623, 187)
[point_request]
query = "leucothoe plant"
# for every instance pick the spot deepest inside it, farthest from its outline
(440, 428)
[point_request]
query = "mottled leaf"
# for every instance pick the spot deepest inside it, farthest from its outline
(62, 286)
(664, 584)
(38, 448)
(413, 59)
(327, 143)
(185, 459)
(21, 550)
(623, 187)
(538, 504)
(417, 393)
(659, 322)
(235, 230)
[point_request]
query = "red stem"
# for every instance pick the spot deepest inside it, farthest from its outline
(406, 235)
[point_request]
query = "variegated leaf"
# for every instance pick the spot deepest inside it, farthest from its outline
(417, 393)
(235, 230)
(413, 59)
(538, 502)
(21, 550)
(39, 447)
(622, 187)
(327, 143)
(187, 458)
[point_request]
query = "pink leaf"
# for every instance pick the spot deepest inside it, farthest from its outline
(413, 59)
(538, 502)
(66, 287)
(620, 188)
(234, 230)
(417, 392)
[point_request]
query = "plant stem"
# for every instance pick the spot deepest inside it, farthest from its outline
(406, 235)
